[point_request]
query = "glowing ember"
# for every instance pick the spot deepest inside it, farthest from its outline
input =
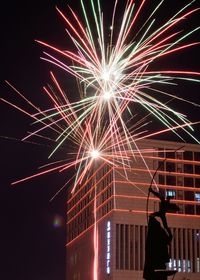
(95, 154)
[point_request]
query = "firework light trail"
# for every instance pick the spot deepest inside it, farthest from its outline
(116, 74)
(92, 143)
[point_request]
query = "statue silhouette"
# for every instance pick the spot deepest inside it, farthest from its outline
(159, 237)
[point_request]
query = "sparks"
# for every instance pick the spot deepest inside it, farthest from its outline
(116, 74)
(95, 154)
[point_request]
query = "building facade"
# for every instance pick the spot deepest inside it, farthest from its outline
(113, 247)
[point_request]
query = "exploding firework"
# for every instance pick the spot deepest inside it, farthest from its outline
(116, 71)
(116, 74)
(90, 143)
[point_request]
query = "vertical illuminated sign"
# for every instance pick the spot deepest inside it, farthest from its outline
(108, 246)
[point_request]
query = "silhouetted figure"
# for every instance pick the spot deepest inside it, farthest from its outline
(157, 254)
(158, 240)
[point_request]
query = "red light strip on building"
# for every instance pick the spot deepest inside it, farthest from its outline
(144, 212)
(133, 197)
(130, 212)
(182, 188)
(156, 199)
(161, 172)
(176, 160)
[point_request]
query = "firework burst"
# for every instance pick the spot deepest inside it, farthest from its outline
(116, 74)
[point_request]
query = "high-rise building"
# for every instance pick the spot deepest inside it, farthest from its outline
(114, 246)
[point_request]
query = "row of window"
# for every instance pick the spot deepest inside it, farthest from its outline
(187, 163)
(187, 195)
(130, 248)
(80, 223)
(171, 180)
(88, 200)
(180, 167)
(100, 181)
(179, 154)
(86, 218)
(78, 195)
(185, 250)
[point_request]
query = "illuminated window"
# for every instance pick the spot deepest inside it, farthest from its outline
(108, 242)
(180, 265)
(171, 193)
(197, 197)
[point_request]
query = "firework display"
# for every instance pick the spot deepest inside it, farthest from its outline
(115, 75)
(120, 88)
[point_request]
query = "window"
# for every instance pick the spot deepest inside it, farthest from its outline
(171, 180)
(161, 165)
(189, 209)
(171, 193)
(197, 183)
(198, 209)
(188, 182)
(121, 246)
(170, 166)
(179, 181)
(179, 155)
(188, 168)
(180, 194)
(185, 251)
(197, 197)
(179, 167)
(197, 156)
(161, 179)
(170, 154)
(161, 153)
(197, 169)
(189, 195)
(176, 265)
(188, 155)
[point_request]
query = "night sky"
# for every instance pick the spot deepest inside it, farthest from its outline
(33, 228)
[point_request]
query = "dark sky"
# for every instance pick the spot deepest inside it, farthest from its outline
(33, 244)
(32, 228)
